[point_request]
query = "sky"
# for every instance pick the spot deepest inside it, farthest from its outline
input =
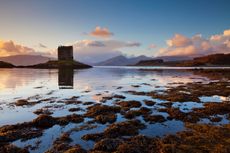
(100, 29)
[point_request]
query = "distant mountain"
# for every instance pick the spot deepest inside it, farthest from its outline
(6, 65)
(25, 59)
(151, 62)
(122, 60)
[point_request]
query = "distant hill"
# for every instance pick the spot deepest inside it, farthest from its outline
(122, 60)
(209, 60)
(151, 62)
(6, 65)
(25, 59)
(176, 58)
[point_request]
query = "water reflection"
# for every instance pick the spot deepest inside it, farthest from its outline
(24, 83)
(65, 78)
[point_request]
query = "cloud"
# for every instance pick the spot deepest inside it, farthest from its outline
(101, 32)
(133, 44)
(92, 51)
(89, 43)
(181, 45)
(89, 51)
(227, 32)
(8, 48)
(152, 46)
(178, 41)
(42, 46)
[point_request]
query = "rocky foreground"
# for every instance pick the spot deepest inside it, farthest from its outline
(124, 136)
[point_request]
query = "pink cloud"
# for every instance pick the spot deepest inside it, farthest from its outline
(181, 45)
(11, 48)
(227, 32)
(179, 40)
(151, 46)
(101, 32)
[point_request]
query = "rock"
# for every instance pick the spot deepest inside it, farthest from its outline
(107, 144)
(75, 109)
(126, 128)
(42, 111)
(95, 110)
(21, 102)
(149, 102)
(154, 118)
(109, 117)
(76, 149)
(44, 121)
(129, 104)
(9, 148)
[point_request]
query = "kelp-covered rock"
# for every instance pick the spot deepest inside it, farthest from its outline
(116, 130)
(154, 118)
(129, 104)
(101, 109)
(62, 145)
(28, 130)
(9, 148)
(104, 118)
(107, 144)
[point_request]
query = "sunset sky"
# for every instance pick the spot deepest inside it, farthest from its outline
(100, 29)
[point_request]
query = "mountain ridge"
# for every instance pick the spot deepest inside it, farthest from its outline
(25, 60)
(122, 60)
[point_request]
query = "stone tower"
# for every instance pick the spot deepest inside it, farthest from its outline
(65, 53)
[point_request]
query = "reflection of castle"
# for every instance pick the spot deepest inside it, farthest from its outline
(65, 78)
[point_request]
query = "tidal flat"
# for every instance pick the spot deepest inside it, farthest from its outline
(115, 109)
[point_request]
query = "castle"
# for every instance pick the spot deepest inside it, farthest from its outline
(65, 53)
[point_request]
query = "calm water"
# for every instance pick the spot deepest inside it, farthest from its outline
(91, 85)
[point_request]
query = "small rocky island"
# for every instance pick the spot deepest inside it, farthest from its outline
(65, 60)
(6, 65)
(59, 64)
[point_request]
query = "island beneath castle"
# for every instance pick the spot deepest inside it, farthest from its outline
(65, 60)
